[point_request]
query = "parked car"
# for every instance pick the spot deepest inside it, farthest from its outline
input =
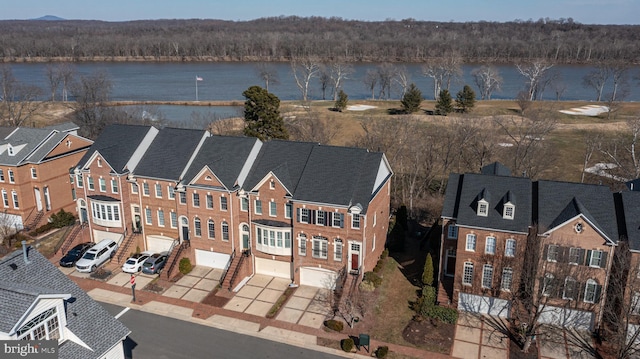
(155, 263)
(74, 254)
(97, 255)
(134, 263)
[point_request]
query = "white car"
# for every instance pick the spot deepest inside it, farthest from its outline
(134, 263)
(97, 255)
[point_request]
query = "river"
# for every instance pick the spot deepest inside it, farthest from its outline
(225, 81)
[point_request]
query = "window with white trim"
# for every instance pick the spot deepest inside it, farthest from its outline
(197, 226)
(570, 287)
(320, 217)
(508, 211)
(145, 189)
(596, 259)
(483, 208)
(45, 326)
(196, 199)
(471, 242)
(320, 247)
(114, 185)
(338, 219)
(635, 303)
(174, 219)
(1, 175)
(80, 181)
(304, 215)
(12, 178)
(507, 279)
(16, 203)
(337, 250)
(487, 276)
(288, 210)
(134, 188)
(510, 248)
(225, 231)
(158, 190)
(467, 273)
(552, 253)
(302, 244)
(452, 232)
(548, 283)
(490, 245)
(272, 184)
(183, 197)
(355, 220)
(103, 184)
(34, 172)
(5, 198)
(574, 255)
(257, 206)
(273, 209)
(244, 204)
(105, 213)
(273, 240)
(223, 203)
(171, 192)
(591, 291)
(147, 215)
(160, 218)
(209, 201)
(90, 184)
(211, 229)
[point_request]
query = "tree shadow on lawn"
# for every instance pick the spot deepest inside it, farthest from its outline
(413, 254)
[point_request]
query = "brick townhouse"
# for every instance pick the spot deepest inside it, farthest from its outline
(300, 211)
(487, 219)
(34, 172)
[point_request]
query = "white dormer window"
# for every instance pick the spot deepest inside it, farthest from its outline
(508, 211)
(483, 208)
(34, 173)
(44, 326)
(10, 151)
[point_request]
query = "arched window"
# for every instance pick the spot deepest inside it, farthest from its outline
(225, 231)
(302, 244)
(211, 226)
(197, 227)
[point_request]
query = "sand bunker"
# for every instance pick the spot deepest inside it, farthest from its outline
(360, 107)
(589, 110)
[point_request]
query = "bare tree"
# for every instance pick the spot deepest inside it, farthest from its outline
(370, 81)
(304, 70)
(488, 80)
(597, 78)
(339, 73)
(403, 79)
(267, 73)
(19, 101)
(325, 80)
(92, 92)
(622, 151)
(620, 77)
(533, 72)
(443, 72)
(386, 73)
(592, 141)
(310, 127)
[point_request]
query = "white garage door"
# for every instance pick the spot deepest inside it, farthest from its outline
(157, 244)
(273, 268)
(11, 221)
(100, 235)
(484, 305)
(318, 277)
(212, 259)
(567, 317)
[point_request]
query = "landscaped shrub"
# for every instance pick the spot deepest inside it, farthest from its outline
(443, 314)
(334, 325)
(42, 229)
(372, 278)
(185, 265)
(62, 219)
(427, 274)
(347, 345)
(382, 352)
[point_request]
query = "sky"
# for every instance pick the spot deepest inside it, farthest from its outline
(582, 11)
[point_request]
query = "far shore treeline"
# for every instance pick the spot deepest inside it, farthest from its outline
(561, 41)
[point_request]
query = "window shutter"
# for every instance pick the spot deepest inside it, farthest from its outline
(588, 259)
(341, 220)
(329, 218)
(312, 220)
(581, 259)
(598, 292)
(298, 215)
(563, 254)
(603, 262)
(545, 252)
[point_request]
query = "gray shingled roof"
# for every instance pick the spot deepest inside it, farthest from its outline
(169, 153)
(31, 138)
(558, 202)
(286, 159)
(463, 192)
(224, 155)
(85, 317)
(6, 131)
(64, 127)
(116, 144)
(496, 169)
(630, 212)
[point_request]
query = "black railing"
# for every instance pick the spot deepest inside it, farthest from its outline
(236, 271)
(125, 246)
(184, 245)
(224, 273)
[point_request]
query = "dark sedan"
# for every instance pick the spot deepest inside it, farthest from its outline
(74, 254)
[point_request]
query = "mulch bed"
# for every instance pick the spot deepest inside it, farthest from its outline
(516, 353)
(438, 336)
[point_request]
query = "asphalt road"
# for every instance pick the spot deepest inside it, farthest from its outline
(157, 337)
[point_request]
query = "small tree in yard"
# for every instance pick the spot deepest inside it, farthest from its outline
(262, 115)
(465, 99)
(341, 102)
(444, 104)
(412, 99)
(427, 275)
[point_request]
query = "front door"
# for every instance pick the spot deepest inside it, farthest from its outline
(36, 192)
(245, 237)
(450, 267)
(354, 256)
(83, 215)
(185, 233)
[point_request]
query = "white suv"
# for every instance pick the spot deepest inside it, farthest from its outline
(97, 255)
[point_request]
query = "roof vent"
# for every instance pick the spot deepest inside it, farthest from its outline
(13, 266)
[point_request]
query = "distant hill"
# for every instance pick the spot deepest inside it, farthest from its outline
(49, 18)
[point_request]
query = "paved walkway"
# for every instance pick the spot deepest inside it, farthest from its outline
(476, 339)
